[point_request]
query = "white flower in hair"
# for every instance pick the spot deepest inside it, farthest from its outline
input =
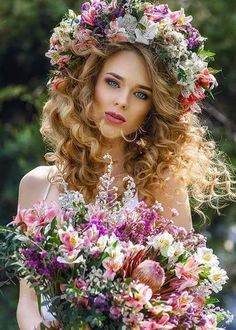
(148, 32)
(169, 34)
(128, 22)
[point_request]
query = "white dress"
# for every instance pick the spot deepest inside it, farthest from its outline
(46, 315)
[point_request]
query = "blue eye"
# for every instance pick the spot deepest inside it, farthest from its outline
(112, 83)
(142, 96)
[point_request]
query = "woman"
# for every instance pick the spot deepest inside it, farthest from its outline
(114, 91)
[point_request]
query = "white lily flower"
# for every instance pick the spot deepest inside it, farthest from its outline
(71, 259)
(163, 242)
(206, 256)
(102, 242)
(218, 278)
(128, 22)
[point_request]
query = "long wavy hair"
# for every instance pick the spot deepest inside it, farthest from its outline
(165, 145)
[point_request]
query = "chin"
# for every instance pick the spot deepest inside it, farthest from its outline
(109, 131)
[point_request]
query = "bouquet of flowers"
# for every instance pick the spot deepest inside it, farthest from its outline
(106, 266)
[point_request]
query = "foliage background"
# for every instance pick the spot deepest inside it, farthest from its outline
(25, 27)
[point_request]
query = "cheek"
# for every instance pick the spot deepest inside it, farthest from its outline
(101, 95)
(142, 114)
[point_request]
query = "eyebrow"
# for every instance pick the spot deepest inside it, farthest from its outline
(122, 79)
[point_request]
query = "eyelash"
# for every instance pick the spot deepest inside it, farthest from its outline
(109, 81)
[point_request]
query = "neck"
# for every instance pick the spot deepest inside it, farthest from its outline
(116, 150)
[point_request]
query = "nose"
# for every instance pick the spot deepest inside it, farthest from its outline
(122, 99)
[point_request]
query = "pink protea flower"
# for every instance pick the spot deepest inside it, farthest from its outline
(150, 272)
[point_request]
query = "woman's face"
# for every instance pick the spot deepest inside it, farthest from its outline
(123, 88)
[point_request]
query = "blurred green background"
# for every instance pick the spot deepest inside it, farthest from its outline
(25, 27)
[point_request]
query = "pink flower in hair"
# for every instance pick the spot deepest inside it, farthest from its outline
(207, 79)
(118, 37)
(88, 16)
(116, 33)
(178, 17)
(56, 83)
(83, 38)
(63, 60)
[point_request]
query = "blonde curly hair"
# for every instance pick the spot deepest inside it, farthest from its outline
(166, 144)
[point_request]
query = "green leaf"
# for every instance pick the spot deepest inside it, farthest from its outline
(220, 318)
(206, 53)
(214, 71)
(211, 300)
(141, 26)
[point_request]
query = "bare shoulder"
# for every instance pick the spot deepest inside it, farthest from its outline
(33, 185)
(174, 195)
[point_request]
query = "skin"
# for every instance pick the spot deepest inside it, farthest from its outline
(118, 89)
(125, 96)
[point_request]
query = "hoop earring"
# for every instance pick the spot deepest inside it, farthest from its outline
(141, 130)
(136, 134)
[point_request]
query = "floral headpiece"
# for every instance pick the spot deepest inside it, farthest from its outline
(169, 34)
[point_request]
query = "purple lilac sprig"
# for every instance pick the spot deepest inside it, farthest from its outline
(36, 261)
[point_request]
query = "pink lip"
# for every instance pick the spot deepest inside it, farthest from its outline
(115, 117)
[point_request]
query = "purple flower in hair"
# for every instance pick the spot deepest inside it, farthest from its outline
(156, 14)
(85, 6)
(193, 37)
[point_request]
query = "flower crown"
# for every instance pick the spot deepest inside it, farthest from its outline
(168, 34)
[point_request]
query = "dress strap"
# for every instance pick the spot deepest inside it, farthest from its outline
(47, 191)
(48, 186)
(56, 179)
